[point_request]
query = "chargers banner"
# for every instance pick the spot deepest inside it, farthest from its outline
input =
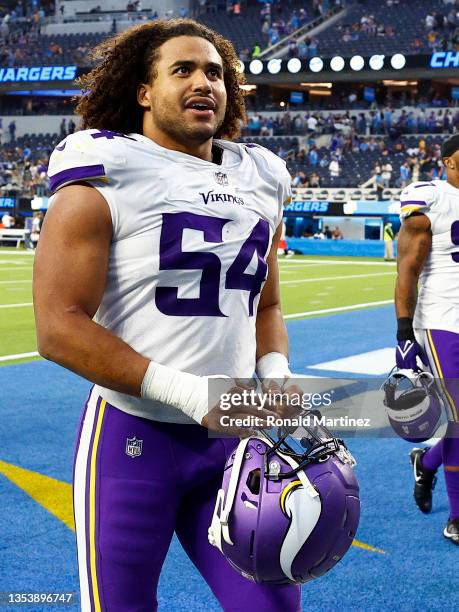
(25, 74)
(301, 208)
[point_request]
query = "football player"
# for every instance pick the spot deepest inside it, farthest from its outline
(428, 321)
(157, 268)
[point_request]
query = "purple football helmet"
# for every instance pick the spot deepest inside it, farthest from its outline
(413, 404)
(288, 508)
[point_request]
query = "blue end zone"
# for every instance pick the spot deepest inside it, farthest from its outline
(37, 431)
(320, 339)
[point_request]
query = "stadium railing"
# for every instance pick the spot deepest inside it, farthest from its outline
(308, 29)
(330, 194)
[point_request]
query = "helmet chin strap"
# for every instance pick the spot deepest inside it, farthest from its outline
(219, 525)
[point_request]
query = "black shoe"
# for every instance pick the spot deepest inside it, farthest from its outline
(425, 481)
(451, 531)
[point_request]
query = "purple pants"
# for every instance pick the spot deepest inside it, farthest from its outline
(442, 348)
(137, 481)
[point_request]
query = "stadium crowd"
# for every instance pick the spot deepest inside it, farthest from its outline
(384, 120)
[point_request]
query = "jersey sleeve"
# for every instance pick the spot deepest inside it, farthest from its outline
(276, 169)
(84, 156)
(420, 197)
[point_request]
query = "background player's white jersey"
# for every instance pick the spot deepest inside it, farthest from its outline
(187, 259)
(438, 299)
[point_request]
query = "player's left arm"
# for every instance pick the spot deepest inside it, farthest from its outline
(271, 333)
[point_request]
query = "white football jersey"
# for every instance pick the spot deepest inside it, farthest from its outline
(438, 299)
(188, 255)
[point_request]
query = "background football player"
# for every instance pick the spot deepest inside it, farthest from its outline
(174, 279)
(428, 322)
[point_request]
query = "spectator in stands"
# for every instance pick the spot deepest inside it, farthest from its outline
(8, 221)
(63, 128)
(375, 181)
(36, 227)
(300, 180)
(314, 180)
(328, 233)
(334, 167)
(235, 10)
(405, 174)
(337, 234)
(429, 21)
(312, 123)
(256, 50)
(313, 157)
(12, 130)
(386, 173)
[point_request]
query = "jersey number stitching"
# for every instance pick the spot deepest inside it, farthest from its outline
(171, 257)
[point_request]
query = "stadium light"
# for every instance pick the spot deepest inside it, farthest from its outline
(240, 67)
(376, 62)
(316, 64)
(256, 66)
(398, 61)
(337, 63)
(294, 65)
(357, 62)
(274, 66)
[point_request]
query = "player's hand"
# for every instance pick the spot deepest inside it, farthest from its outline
(407, 353)
(290, 396)
(233, 417)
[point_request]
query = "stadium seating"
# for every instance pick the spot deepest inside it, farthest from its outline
(407, 24)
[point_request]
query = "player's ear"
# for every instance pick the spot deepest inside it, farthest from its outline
(143, 96)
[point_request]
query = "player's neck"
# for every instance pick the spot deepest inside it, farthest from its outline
(202, 150)
(454, 181)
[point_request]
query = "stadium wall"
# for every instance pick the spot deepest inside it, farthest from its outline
(32, 124)
(84, 6)
(346, 248)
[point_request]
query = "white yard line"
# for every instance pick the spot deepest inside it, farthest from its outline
(325, 278)
(310, 313)
(338, 262)
(377, 362)
(15, 282)
(18, 252)
(17, 262)
(18, 356)
(16, 305)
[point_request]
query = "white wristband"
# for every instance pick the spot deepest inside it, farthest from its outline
(273, 365)
(187, 392)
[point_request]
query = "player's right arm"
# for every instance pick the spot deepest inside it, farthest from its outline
(69, 280)
(413, 247)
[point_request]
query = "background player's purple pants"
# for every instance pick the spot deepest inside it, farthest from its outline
(128, 507)
(442, 348)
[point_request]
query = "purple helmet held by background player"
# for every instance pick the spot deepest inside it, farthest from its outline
(413, 404)
(288, 508)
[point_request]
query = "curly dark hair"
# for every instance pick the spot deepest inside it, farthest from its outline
(124, 61)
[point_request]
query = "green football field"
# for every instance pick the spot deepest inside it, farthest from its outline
(311, 286)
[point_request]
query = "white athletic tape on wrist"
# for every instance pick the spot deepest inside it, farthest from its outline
(273, 365)
(187, 392)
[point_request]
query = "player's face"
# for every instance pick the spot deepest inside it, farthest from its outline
(187, 98)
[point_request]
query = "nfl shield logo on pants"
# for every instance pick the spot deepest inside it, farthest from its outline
(133, 447)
